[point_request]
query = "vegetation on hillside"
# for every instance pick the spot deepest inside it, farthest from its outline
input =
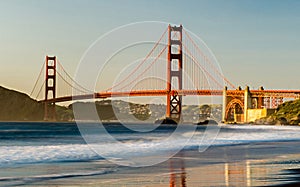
(287, 113)
(16, 106)
(104, 110)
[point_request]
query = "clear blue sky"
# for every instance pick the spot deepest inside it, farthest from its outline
(256, 42)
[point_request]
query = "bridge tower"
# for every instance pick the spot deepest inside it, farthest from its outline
(174, 72)
(50, 88)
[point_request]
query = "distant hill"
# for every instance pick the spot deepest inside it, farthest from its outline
(104, 109)
(16, 106)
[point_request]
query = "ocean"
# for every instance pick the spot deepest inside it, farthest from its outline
(58, 154)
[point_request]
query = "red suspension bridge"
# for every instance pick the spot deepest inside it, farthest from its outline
(176, 69)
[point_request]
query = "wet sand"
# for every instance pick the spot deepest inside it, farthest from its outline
(256, 164)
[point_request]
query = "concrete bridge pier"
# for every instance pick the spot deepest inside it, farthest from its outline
(224, 104)
(247, 102)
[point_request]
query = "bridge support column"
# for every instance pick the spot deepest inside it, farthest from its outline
(50, 88)
(224, 104)
(260, 100)
(174, 73)
(247, 103)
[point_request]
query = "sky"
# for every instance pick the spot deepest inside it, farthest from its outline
(256, 42)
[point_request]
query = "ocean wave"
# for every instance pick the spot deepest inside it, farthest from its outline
(145, 144)
(12, 155)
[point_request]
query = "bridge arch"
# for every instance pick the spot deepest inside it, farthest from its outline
(232, 105)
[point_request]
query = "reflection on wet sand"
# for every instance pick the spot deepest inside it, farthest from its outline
(244, 173)
(237, 174)
(177, 173)
(183, 171)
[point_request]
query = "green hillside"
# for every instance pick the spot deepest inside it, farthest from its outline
(16, 106)
(290, 111)
(104, 109)
(287, 113)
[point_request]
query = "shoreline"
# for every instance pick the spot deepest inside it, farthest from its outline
(56, 155)
(117, 123)
(239, 165)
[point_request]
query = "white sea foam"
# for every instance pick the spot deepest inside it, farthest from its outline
(229, 135)
(10, 155)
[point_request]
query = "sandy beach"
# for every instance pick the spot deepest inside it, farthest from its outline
(255, 164)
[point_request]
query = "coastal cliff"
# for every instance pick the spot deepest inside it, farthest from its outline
(287, 113)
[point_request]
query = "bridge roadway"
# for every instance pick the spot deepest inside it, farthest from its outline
(234, 93)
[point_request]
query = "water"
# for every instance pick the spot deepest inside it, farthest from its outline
(27, 148)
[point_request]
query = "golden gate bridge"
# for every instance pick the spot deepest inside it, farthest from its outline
(186, 69)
